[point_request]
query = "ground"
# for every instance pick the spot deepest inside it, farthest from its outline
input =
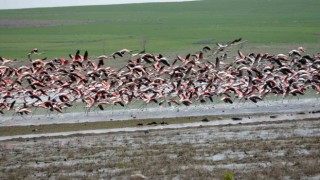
(210, 143)
(284, 149)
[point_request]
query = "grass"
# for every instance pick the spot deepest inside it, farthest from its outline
(167, 27)
(228, 176)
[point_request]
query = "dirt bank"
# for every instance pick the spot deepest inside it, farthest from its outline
(263, 150)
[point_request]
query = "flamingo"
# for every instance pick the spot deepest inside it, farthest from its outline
(121, 53)
(34, 51)
(5, 60)
(154, 79)
(222, 47)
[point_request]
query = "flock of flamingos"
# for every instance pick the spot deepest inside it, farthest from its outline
(59, 83)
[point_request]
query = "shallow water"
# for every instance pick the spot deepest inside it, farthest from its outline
(274, 107)
(243, 134)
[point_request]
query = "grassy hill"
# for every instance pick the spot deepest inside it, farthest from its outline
(166, 27)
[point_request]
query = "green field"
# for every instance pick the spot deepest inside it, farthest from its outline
(166, 27)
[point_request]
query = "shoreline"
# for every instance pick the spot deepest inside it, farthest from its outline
(221, 109)
(255, 114)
